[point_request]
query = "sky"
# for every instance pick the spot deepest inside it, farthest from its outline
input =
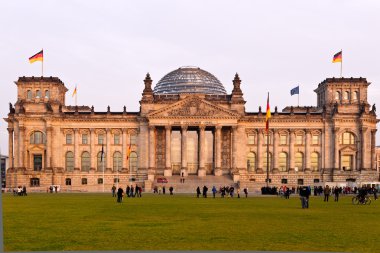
(107, 47)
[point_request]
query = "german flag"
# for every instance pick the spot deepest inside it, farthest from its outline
(128, 151)
(337, 57)
(268, 116)
(37, 57)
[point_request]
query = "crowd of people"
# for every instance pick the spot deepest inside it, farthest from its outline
(130, 192)
(20, 191)
(162, 189)
(228, 191)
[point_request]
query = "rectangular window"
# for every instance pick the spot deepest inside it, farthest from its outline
(100, 139)
(266, 139)
(283, 139)
(68, 181)
(34, 182)
(284, 181)
(100, 180)
(316, 180)
(116, 180)
(315, 140)
(69, 139)
(133, 139)
(300, 181)
(29, 94)
(347, 162)
(116, 139)
(251, 139)
(84, 180)
(299, 139)
(84, 139)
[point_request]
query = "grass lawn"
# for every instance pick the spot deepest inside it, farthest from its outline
(57, 222)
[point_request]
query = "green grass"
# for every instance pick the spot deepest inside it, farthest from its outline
(57, 222)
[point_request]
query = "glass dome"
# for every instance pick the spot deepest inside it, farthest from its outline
(189, 80)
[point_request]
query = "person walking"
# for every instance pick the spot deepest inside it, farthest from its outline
(327, 192)
(246, 192)
(120, 195)
(374, 191)
(336, 194)
(171, 190)
(113, 189)
(205, 191)
(198, 192)
(163, 190)
(214, 191)
(238, 192)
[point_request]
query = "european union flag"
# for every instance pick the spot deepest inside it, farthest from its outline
(295, 90)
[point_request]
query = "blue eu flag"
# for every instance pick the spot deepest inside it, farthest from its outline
(295, 90)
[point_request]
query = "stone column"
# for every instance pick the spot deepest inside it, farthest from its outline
(49, 147)
(291, 150)
(108, 149)
(218, 152)
(10, 147)
(275, 147)
(22, 147)
(125, 149)
(17, 146)
(234, 147)
(184, 150)
(307, 150)
(168, 163)
(336, 149)
(152, 148)
(93, 154)
(259, 151)
(202, 142)
(373, 149)
(76, 149)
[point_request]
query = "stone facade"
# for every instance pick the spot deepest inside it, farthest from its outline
(194, 134)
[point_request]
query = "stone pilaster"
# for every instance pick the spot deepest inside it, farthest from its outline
(184, 148)
(16, 146)
(373, 149)
(168, 139)
(307, 150)
(125, 149)
(22, 146)
(275, 151)
(291, 150)
(202, 142)
(260, 151)
(49, 149)
(93, 154)
(10, 147)
(218, 151)
(76, 149)
(109, 159)
(152, 156)
(234, 147)
(336, 149)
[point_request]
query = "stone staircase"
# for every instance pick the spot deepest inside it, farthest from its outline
(193, 181)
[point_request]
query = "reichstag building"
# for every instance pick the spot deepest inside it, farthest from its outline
(189, 126)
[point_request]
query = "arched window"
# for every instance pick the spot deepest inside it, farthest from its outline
(355, 95)
(283, 161)
(298, 163)
(251, 162)
(85, 161)
(265, 162)
(337, 95)
(133, 162)
(68, 181)
(47, 94)
(348, 138)
(38, 93)
(29, 94)
(117, 161)
(37, 137)
(69, 161)
(314, 161)
(101, 162)
(346, 95)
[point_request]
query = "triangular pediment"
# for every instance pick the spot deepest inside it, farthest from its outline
(348, 149)
(36, 148)
(193, 107)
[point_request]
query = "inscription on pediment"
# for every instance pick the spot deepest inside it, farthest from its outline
(193, 108)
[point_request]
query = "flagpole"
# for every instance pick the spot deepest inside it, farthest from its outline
(298, 98)
(341, 63)
(268, 155)
(42, 64)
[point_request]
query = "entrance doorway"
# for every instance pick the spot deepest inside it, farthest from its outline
(37, 162)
